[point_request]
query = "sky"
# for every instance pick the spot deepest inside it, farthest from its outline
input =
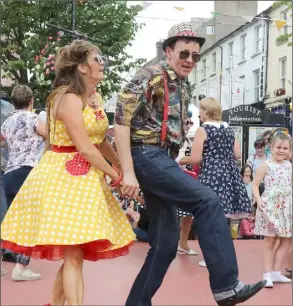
(156, 26)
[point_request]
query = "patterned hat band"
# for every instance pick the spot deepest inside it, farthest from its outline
(182, 30)
(187, 34)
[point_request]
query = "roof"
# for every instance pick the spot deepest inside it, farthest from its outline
(237, 28)
(153, 61)
(223, 25)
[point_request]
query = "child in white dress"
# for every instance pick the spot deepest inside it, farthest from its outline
(274, 207)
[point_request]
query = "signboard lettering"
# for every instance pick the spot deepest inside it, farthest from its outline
(244, 114)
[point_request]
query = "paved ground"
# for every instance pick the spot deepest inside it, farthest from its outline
(108, 282)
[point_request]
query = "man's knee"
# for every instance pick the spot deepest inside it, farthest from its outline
(169, 247)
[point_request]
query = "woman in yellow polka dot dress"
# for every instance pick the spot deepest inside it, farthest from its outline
(65, 209)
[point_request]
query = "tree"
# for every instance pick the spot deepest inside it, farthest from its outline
(284, 37)
(25, 33)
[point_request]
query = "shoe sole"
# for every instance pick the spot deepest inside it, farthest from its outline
(234, 302)
(183, 252)
(25, 280)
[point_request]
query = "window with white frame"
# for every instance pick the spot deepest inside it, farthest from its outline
(257, 39)
(204, 68)
(256, 75)
(214, 62)
(283, 72)
(243, 47)
(284, 16)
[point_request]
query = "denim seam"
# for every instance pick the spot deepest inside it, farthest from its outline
(155, 254)
(214, 291)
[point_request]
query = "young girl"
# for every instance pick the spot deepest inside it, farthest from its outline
(246, 173)
(274, 207)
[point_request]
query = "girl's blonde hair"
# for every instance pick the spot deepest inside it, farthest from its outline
(68, 79)
(213, 108)
(282, 135)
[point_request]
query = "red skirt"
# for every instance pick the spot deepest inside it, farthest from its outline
(93, 251)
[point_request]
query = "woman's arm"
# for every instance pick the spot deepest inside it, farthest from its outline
(41, 128)
(197, 146)
(236, 150)
(108, 152)
(70, 113)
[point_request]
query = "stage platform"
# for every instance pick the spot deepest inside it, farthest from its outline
(108, 282)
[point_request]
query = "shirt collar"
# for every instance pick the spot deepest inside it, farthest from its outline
(172, 74)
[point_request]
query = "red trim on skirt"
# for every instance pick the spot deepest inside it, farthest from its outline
(93, 251)
(66, 149)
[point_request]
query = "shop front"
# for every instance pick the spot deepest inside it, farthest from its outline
(248, 124)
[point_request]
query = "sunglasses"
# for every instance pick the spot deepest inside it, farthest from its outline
(259, 147)
(102, 60)
(189, 123)
(185, 55)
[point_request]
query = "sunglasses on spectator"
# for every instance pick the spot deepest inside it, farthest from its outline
(102, 60)
(189, 123)
(186, 54)
(259, 147)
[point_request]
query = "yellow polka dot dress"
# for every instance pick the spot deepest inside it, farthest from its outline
(66, 202)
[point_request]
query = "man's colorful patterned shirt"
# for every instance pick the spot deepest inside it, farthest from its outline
(145, 117)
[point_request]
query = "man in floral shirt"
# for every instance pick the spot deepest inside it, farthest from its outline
(147, 161)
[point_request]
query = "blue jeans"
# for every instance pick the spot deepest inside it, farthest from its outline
(141, 235)
(12, 182)
(166, 187)
(3, 199)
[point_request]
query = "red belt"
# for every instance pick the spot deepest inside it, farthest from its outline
(66, 149)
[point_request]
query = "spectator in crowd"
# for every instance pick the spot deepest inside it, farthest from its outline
(7, 110)
(246, 228)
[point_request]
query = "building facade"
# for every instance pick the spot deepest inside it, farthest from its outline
(279, 78)
(234, 69)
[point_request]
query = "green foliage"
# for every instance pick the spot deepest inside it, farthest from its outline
(279, 3)
(109, 24)
(284, 37)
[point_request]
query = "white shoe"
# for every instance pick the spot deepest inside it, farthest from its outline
(202, 263)
(190, 252)
(24, 275)
(277, 277)
(267, 277)
(3, 272)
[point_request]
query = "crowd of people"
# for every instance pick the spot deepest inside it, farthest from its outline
(73, 196)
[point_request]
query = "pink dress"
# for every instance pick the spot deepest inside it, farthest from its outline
(276, 218)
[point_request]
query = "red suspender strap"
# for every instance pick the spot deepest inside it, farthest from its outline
(166, 107)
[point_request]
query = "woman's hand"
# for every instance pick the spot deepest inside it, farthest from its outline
(246, 180)
(130, 185)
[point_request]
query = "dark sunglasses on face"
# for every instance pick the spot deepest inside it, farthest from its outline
(189, 123)
(102, 60)
(185, 55)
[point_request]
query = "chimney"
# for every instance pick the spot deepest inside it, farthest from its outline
(159, 49)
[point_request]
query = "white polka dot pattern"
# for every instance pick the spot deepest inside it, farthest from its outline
(78, 165)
